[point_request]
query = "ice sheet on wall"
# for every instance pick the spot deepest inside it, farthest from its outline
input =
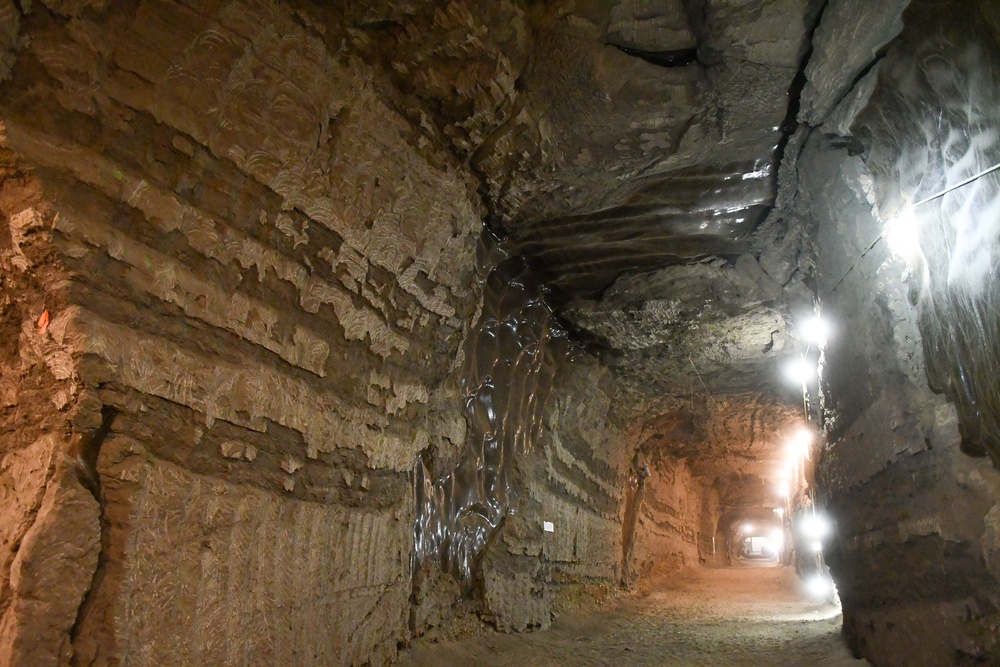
(511, 359)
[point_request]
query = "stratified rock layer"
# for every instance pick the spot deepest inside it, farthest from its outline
(265, 278)
(265, 399)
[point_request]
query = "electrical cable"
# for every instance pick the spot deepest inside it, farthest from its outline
(923, 201)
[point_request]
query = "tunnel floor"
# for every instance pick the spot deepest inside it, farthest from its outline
(742, 615)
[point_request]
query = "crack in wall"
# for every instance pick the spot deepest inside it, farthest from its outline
(84, 452)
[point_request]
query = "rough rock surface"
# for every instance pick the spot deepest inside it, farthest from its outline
(267, 276)
(913, 548)
(10, 23)
(54, 561)
(49, 530)
(575, 480)
(246, 322)
(708, 325)
(847, 42)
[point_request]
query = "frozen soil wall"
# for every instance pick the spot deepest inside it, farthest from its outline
(914, 551)
(248, 338)
(258, 277)
(238, 290)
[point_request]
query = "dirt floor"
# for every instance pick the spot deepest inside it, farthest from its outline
(713, 617)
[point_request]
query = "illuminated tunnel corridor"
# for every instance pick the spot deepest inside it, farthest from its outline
(731, 616)
(450, 332)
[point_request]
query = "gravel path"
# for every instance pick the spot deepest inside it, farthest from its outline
(737, 616)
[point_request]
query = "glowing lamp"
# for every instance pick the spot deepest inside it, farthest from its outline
(798, 445)
(815, 330)
(777, 539)
(748, 528)
(818, 586)
(902, 233)
(800, 371)
(815, 527)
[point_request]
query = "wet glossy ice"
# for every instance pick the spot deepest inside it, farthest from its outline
(510, 362)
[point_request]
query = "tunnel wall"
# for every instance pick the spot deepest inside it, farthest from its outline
(49, 524)
(620, 517)
(907, 503)
(914, 544)
(258, 279)
(576, 481)
(259, 268)
(675, 520)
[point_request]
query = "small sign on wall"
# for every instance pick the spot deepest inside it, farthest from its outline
(548, 527)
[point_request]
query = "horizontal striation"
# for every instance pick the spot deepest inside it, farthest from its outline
(242, 394)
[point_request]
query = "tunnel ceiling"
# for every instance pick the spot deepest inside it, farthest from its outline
(630, 150)
(736, 442)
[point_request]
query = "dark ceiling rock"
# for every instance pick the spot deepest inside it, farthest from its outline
(846, 44)
(636, 166)
(10, 25)
(651, 26)
(677, 219)
(617, 138)
(592, 120)
(627, 156)
(611, 137)
(455, 65)
(693, 325)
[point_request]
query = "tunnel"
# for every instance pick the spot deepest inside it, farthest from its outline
(450, 332)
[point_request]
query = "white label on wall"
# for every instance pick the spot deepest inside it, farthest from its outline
(548, 527)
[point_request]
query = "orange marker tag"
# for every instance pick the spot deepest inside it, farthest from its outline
(43, 322)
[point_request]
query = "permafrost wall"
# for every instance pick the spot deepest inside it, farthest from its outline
(245, 401)
(545, 447)
(249, 267)
(915, 551)
(510, 363)
(933, 130)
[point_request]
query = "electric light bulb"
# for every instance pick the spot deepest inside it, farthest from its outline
(902, 233)
(815, 330)
(798, 444)
(815, 527)
(800, 371)
(818, 586)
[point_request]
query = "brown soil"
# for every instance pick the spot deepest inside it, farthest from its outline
(737, 616)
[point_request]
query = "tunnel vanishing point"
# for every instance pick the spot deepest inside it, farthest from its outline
(328, 325)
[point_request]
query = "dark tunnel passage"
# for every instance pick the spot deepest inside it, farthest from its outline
(584, 332)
